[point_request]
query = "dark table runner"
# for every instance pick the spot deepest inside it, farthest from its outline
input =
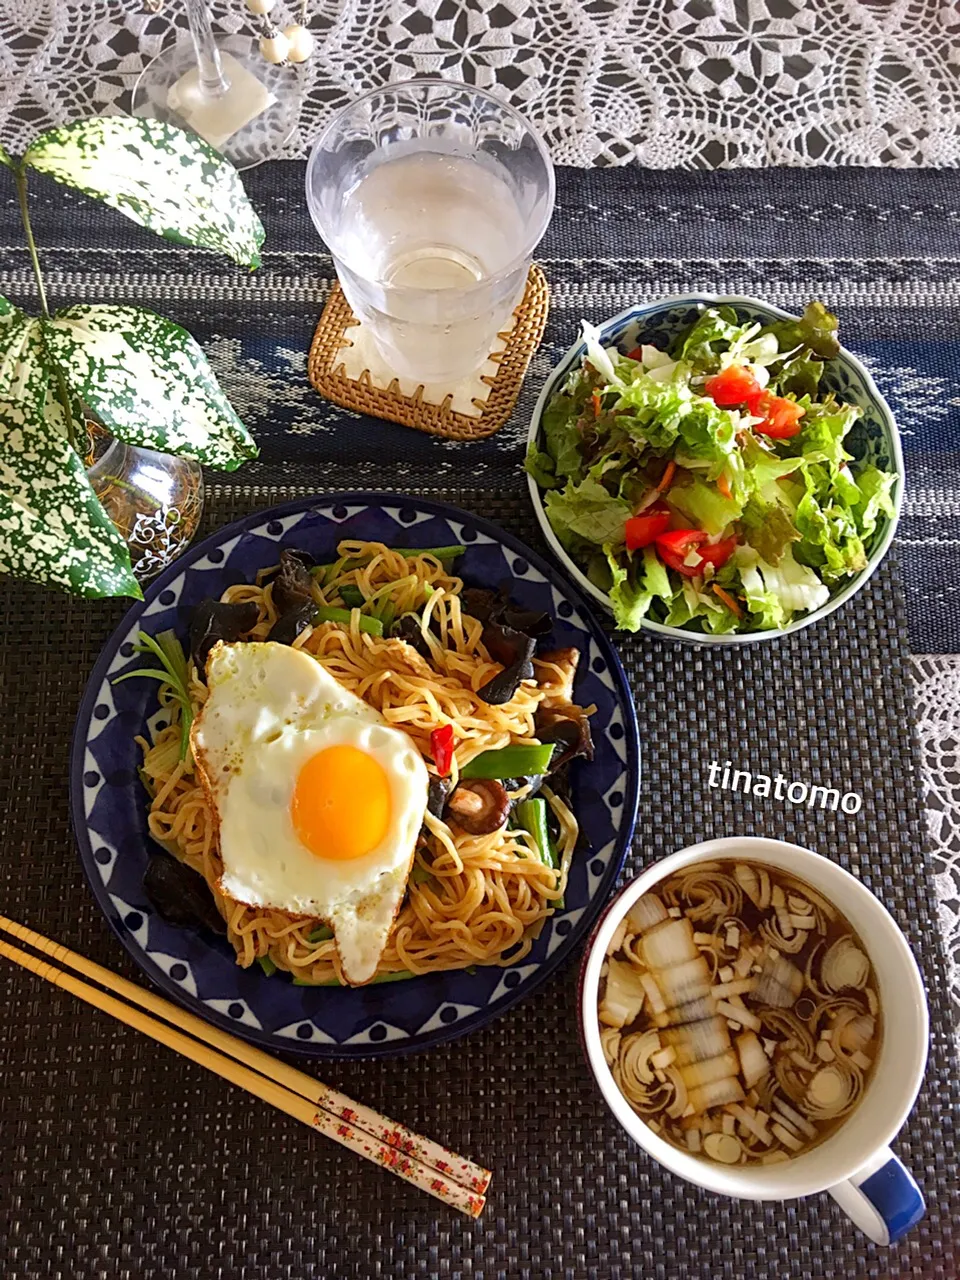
(122, 1161)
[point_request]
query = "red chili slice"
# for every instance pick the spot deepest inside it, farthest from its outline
(441, 748)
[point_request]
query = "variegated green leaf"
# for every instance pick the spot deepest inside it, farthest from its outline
(6, 158)
(52, 526)
(27, 373)
(15, 330)
(163, 178)
(148, 382)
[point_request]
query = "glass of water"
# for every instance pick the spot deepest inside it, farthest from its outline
(432, 197)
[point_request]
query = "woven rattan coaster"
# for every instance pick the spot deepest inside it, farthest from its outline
(470, 410)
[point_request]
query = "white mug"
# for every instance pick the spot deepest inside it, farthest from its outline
(855, 1164)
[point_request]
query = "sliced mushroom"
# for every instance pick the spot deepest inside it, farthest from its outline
(479, 806)
(503, 686)
(293, 623)
(569, 728)
(213, 621)
(437, 794)
(407, 628)
(486, 605)
(293, 585)
(180, 895)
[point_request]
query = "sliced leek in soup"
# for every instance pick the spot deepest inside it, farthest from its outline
(739, 1013)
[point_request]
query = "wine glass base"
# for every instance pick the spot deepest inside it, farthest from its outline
(276, 99)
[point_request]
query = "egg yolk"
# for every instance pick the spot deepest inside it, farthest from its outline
(341, 803)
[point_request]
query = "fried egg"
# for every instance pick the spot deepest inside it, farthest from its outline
(318, 800)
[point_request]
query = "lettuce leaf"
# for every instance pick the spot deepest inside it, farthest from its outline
(719, 619)
(822, 431)
(764, 606)
(769, 528)
(799, 376)
(763, 469)
(816, 329)
(689, 604)
(540, 465)
(598, 355)
(652, 411)
(709, 432)
(561, 436)
(711, 334)
(633, 581)
(586, 512)
(705, 505)
(776, 592)
(876, 498)
(830, 538)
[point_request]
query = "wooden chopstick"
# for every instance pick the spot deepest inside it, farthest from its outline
(424, 1150)
(391, 1145)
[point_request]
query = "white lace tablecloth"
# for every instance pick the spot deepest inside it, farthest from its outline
(670, 83)
(667, 83)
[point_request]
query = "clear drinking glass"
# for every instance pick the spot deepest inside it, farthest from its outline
(431, 196)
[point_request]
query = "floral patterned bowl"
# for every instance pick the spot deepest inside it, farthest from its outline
(200, 971)
(875, 438)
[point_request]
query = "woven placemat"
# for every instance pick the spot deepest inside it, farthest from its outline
(122, 1161)
(326, 371)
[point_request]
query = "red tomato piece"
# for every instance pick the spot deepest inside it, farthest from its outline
(635, 354)
(645, 528)
(732, 386)
(781, 417)
(674, 547)
(717, 553)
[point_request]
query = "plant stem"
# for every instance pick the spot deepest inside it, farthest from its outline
(63, 395)
(147, 500)
(20, 177)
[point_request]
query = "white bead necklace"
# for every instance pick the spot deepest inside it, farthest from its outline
(294, 44)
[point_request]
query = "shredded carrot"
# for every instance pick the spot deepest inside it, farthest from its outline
(723, 484)
(667, 478)
(596, 404)
(728, 600)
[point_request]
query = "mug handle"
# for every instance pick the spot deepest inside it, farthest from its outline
(882, 1198)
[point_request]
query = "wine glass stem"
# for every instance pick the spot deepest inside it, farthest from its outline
(213, 83)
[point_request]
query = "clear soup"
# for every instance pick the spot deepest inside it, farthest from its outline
(739, 1013)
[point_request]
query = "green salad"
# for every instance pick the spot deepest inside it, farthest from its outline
(709, 486)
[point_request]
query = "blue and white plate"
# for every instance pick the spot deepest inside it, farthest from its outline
(109, 805)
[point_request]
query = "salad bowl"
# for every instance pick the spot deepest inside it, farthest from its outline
(874, 440)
